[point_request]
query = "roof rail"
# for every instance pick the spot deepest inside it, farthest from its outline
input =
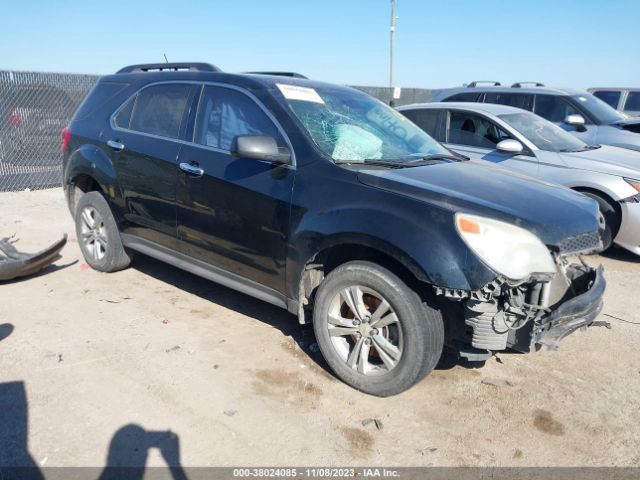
(476, 82)
(520, 84)
(163, 67)
(280, 74)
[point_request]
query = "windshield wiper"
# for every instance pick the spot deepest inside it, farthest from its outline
(373, 161)
(456, 157)
(431, 159)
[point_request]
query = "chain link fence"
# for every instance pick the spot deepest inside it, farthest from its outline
(35, 107)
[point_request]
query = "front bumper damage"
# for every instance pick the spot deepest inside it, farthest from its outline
(525, 317)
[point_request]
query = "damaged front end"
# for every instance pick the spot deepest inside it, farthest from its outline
(538, 311)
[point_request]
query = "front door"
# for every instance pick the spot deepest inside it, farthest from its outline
(233, 213)
(477, 137)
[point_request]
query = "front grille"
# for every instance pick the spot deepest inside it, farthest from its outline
(583, 243)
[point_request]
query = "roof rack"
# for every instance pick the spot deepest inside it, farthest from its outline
(174, 67)
(476, 82)
(280, 74)
(520, 84)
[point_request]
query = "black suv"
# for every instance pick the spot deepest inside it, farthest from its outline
(324, 201)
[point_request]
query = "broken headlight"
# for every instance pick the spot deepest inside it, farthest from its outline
(509, 250)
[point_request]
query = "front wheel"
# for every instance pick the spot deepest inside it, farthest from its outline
(609, 220)
(374, 331)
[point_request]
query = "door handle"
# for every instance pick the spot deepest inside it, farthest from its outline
(192, 170)
(117, 146)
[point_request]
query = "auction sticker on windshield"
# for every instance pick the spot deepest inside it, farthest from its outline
(294, 92)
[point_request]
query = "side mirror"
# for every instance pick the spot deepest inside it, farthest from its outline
(260, 147)
(577, 121)
(509, 146)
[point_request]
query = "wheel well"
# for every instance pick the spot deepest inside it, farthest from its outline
(82, 184)
(605, 197)
(328, 259)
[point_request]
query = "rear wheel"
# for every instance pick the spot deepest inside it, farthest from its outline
(98, 234)
(375, 332)
(609, 219)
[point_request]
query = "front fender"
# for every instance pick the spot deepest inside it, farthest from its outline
(424, 240)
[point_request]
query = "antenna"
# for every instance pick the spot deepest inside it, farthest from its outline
(165, 58)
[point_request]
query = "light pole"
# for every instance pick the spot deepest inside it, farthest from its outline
(392, 31)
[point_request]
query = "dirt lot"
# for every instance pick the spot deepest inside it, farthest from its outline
(115, 364)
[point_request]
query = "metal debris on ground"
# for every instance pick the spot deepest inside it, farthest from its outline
(428, 450)
(497, 382)
(230, 413)
(378, 423)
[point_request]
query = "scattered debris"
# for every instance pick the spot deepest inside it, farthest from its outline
(428, 450)
(230, 413)
(85, 291)
(497, 382)
(602, 323)
(114, 301)
(216, 366)
(499, 360)
(14, 264)
(378, 423)
(621, 319)
(59, 357)
(173, 349)
(165, 321)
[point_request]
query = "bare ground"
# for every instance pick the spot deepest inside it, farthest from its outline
(238, 382)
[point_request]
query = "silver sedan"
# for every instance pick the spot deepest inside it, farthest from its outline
(522, 141)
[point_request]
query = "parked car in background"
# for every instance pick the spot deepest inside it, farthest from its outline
(31, 117)
(626, 100)
(322, 200)
(576, 111)
(527, 143)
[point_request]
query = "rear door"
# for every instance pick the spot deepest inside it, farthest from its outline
(476, 136)
(234, 214)
(632, 103)
(144, 146)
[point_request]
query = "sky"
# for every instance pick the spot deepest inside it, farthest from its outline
(439, 43)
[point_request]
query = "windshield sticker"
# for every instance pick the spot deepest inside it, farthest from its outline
(389, 119)
(294, 92)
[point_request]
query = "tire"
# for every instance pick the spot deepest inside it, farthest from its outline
(98, 234)
(609, 220)
(397, 354)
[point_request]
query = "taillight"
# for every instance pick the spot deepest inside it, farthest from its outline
(66, 136)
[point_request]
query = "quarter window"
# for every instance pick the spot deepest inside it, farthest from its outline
(554, 108)
(159, 110)
(464, 97)
(426, 119)
(474, 131)
(518, 100)
(610, 97)
(633, 102)
(225, 113)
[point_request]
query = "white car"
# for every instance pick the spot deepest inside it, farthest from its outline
(522, 141)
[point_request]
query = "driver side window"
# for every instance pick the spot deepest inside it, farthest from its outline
(474, 131)
(225, 113)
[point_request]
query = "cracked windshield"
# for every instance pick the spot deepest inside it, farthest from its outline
(348, 125)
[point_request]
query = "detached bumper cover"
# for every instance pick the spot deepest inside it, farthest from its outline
(576, 312)
(14, 264)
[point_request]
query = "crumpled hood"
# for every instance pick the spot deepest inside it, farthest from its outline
(610, 160)
(550, 211)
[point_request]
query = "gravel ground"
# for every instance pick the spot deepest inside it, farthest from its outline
(153, 360)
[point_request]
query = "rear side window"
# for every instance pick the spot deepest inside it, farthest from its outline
(610, 97)
(518, 100)
(633, 102)
(426, 119)
(554, 108)
(225, 113)
(98, 96)
(160, 109)
(464, 97)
